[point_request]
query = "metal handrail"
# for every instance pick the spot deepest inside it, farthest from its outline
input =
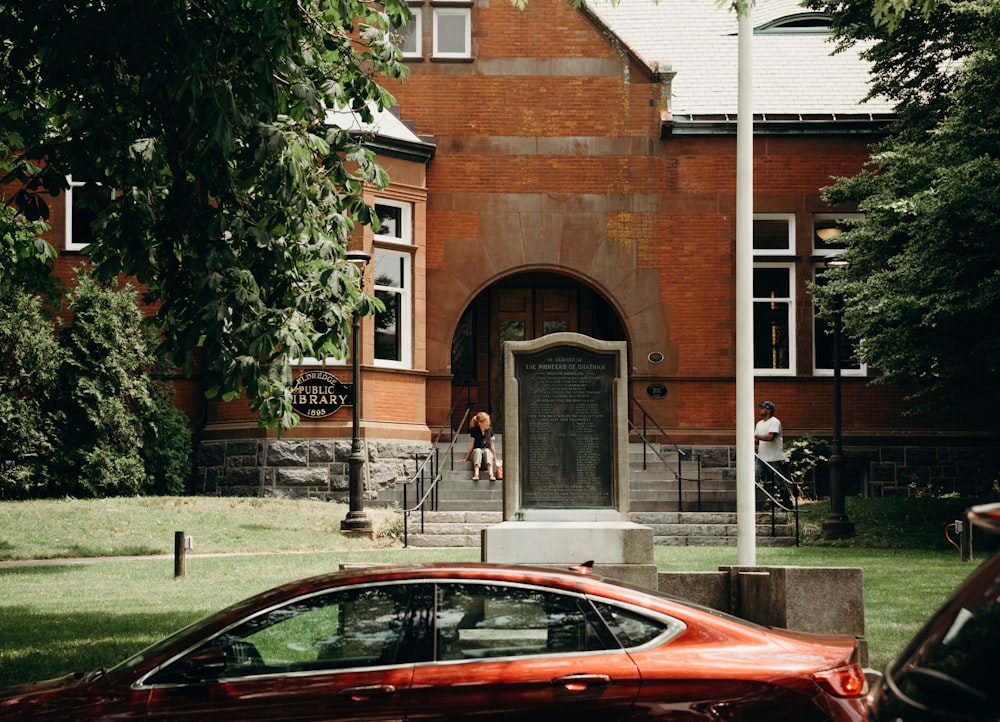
(431, 491)
(646, 443)
(775, 504)
(647, 416)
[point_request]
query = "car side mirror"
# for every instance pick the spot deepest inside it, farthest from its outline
(205, 663)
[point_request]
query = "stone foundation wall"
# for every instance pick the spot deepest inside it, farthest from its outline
(888, 470)
(295, 468)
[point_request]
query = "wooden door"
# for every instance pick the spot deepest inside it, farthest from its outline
(522, 314)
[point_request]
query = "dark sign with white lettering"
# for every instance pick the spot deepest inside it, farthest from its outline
(566, 422)
(316, 394)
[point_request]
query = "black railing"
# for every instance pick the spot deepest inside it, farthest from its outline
(793, 493)
(429, 467)
(648, 423)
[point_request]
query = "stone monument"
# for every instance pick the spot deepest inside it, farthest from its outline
(565, 443)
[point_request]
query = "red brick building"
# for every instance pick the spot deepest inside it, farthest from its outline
(561, 169)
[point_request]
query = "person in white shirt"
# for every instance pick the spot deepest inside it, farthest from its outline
(771, 448)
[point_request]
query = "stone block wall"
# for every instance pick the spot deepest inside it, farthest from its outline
(295, 468)
(884, 470)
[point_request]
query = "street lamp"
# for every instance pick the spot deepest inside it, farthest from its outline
(356, 523)
(837, 525)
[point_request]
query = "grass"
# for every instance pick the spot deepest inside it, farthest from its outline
(53, 529)
(63, 617)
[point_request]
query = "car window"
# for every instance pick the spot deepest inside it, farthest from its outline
(954, 666)
(476, 621)
(352, 628)
(631, 628)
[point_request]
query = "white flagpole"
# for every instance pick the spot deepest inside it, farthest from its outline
(746, 537)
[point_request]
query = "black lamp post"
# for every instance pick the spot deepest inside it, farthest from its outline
(837, 525)
(356, 523)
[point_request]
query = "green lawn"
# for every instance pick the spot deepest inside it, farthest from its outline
(64, 617)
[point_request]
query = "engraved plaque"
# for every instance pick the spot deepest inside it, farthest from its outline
(566, 418)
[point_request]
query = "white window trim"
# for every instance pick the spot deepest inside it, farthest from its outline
(405, 239)
(789, 250)
(406, 220)
(70, 244)
(858, 371)
(465, 12)
(792, 332)
(405, 307)
(417, 34)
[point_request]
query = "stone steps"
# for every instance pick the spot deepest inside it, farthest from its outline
(464, 528)
(708, 518)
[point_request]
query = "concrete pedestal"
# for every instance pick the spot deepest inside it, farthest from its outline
(620, 550)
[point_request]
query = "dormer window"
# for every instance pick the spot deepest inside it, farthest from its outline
(798, 23)
(452, 30)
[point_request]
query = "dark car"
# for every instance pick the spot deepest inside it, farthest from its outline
(464, 641)
(950, 670)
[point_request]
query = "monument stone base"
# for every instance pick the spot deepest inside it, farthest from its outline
(619, 549)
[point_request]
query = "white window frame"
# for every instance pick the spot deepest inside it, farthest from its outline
(397, 243)
(403, 234)
(790, 270)
(70, 244)
(452, 11)
(826, 220)
(789, 249)
(404, 293)
(415, 36)
(786, 250)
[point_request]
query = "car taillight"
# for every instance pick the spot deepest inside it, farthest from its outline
(846, 681)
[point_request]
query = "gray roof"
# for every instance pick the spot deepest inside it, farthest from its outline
(387, 134)
(794, 73)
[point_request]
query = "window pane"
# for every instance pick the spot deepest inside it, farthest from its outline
(771, 317)
(388, 332)
(451, 32)
(826, 235)
(481, 621)
(390, 220)
(771, 234)
(631, 629)
(352, 628)
(823, 340)
(87, 199)
(512, 331)
(408, 38)
(770, 336)
(389, 270)
(463, 347)
(771, 283)
(393, 326)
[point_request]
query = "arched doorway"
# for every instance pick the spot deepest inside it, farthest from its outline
(520, 308)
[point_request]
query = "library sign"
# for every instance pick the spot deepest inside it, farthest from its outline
(317, 394)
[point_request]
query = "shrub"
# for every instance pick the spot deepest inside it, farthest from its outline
(29, 363)
(84, 410)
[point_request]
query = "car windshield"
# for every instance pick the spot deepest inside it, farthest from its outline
(954, 661)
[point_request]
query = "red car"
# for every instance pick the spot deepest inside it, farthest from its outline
(948, 671)
(464, 641)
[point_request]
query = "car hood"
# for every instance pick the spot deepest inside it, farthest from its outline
(12, 695)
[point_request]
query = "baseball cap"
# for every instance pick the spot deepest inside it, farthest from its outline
(767, 405)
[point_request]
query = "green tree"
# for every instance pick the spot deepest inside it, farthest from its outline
(122, 433)
(29, 362)
(922, 292)
(234, 194)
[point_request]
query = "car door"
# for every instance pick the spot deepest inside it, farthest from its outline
(513, 652)
(343, 655)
